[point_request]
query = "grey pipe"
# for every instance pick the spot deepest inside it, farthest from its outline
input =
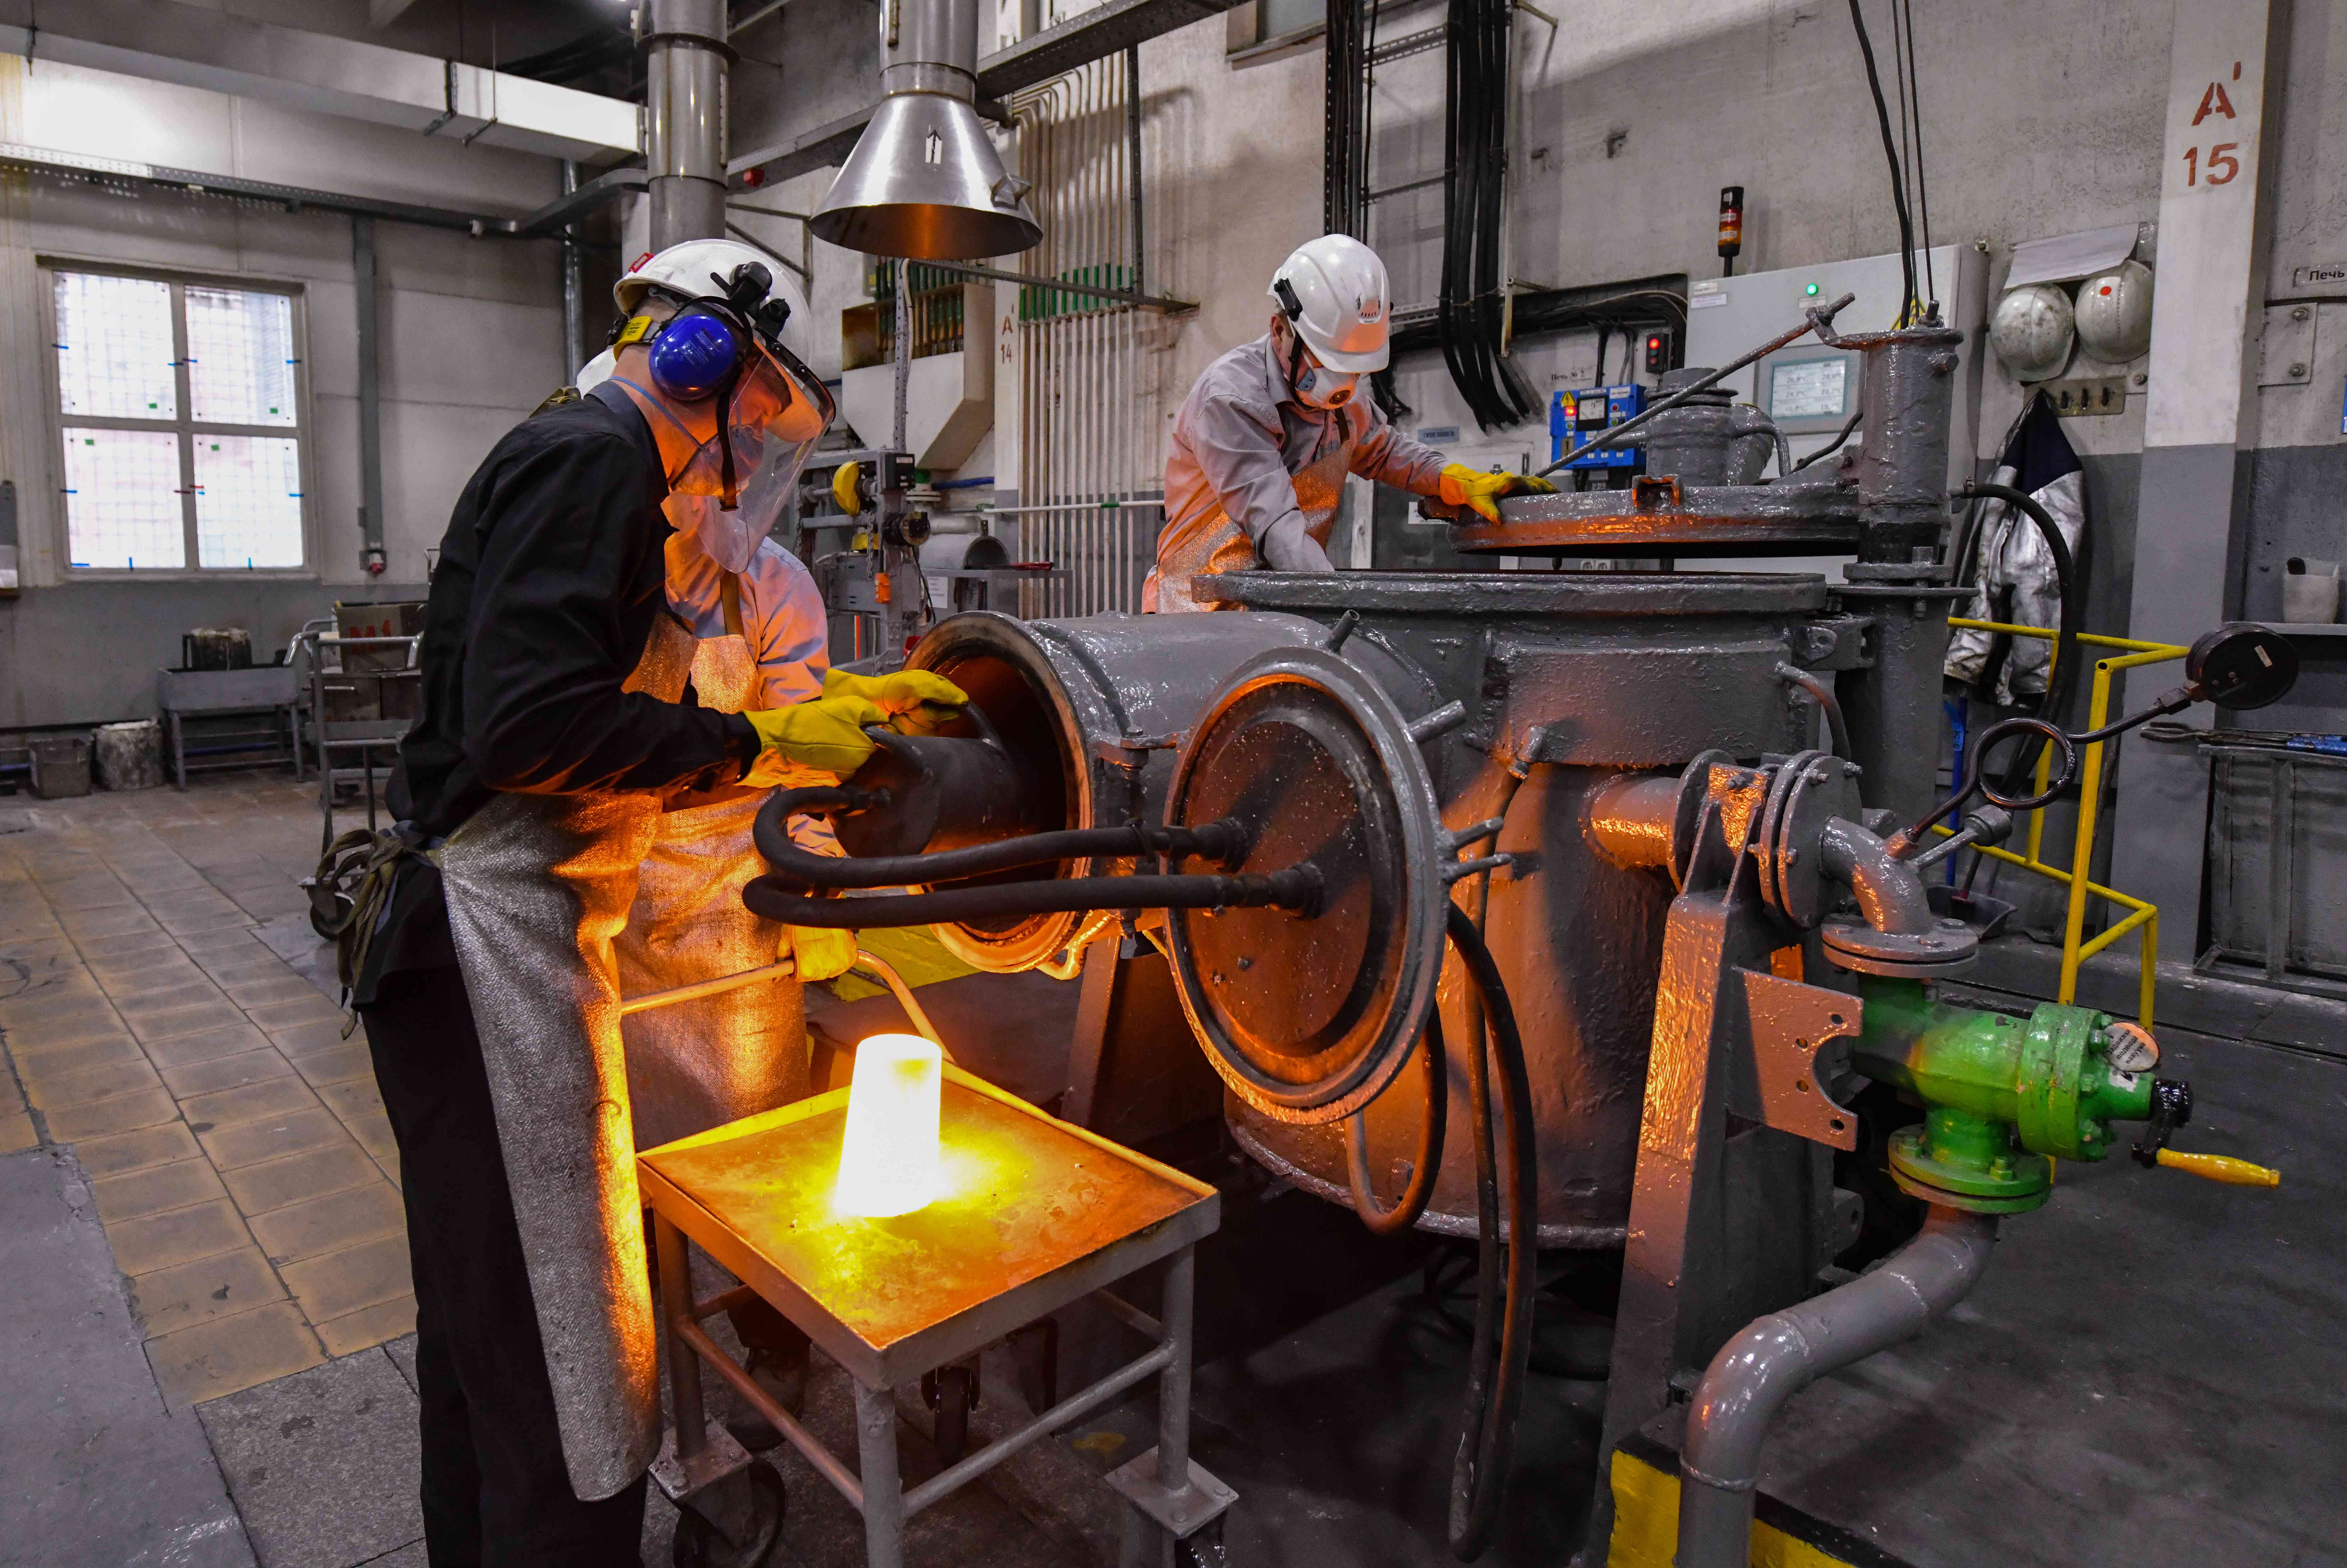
(1837, 728)
(1631, 818)
(1890, 894)
(686, 60)
(371, 505)
(1776, 1357)
(574, 285)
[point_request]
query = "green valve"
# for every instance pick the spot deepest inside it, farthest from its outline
(1999, 1094)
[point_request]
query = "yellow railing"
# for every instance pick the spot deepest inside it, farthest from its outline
(2142, 917)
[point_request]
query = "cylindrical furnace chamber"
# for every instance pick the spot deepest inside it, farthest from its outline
(1563, 681)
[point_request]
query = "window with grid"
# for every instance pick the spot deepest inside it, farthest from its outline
(179, 408)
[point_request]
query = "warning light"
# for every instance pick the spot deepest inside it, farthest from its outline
(888, 1156)
(1810, 290)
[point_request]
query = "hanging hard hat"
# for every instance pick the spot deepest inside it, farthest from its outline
(2031, 331)
(1333, 293)
(2114, 313)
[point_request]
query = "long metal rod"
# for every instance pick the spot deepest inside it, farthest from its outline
(1613, 437)
(1119, 296)
(775, 971)
(1073, 1407)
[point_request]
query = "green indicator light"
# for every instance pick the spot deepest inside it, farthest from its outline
(1811, 289)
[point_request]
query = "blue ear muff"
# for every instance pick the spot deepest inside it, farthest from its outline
(693, 356)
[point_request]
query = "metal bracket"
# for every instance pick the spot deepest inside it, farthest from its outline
(719, 1459)
(1179, 1514)
(1789, 1022)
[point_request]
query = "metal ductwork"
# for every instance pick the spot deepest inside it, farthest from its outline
(925, 181)
(686, 60)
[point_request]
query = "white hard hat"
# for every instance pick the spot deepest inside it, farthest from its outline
(1333, 292)
(699, 269)
(2114, 313)
(2031, 331)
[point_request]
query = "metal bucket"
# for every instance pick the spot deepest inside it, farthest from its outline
(60, 765)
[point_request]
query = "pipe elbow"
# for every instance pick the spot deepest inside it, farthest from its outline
(1889, 894)
(1769, 1361)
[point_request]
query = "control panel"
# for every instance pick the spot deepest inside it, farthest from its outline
(1575, 414)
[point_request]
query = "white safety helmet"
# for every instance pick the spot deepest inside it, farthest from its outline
(1334, 293)
(2114, 313)
(732, 341)
(2031, 330)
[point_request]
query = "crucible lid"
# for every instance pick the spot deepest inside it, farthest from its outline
(1308, 1017)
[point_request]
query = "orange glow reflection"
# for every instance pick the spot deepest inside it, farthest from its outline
(888, 1156)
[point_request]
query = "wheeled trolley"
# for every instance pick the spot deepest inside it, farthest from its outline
(1033, 1215)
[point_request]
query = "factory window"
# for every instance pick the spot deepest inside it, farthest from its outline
(180, 415)
(1272, 26)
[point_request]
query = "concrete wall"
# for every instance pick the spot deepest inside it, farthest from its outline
(471, 340)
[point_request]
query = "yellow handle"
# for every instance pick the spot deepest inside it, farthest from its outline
(2222, 1168)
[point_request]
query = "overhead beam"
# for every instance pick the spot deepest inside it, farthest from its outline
(192, 46)
(545, 222)
(1106, 30)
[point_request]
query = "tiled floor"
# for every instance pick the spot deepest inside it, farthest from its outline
(238, 1155)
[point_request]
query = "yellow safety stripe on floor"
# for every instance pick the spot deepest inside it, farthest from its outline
(1646, 1523)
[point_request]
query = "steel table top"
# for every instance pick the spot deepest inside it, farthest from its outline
(1033, 1214)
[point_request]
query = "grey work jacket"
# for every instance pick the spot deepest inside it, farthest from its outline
(1255, 476)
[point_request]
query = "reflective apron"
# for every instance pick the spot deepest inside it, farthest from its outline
(699, 1064)
(537, 888)
(1211, 543)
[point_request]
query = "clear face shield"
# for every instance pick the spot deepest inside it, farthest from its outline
(770, 424)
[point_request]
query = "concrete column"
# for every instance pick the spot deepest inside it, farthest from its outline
(2201, 420)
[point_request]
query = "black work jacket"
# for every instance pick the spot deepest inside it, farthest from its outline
(550, 575)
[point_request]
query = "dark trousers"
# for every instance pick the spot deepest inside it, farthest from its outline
(496, 1492)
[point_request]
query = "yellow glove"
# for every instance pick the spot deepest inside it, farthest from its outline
(916, 701)
(826, 734)
(822, 952)
(1465, 486)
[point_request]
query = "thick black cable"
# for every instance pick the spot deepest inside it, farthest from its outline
(1219, 841)
(1296, 889)
(1891, 157)
(1834, 445)
(1426, 1163)
(1921, 191)
(1486, 1446)
(2066, 655)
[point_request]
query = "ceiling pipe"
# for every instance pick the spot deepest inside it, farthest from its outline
(686, 62)
(925, 180)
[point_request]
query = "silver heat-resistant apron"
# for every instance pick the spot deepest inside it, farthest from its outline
(1215, 542)
(538, 886)
(699, 1064)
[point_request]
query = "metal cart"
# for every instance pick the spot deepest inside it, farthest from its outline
(267, 695)
(328, 736)
(994, 1254)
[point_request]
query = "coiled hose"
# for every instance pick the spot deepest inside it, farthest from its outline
(1426, 1163)
(1495, 1374)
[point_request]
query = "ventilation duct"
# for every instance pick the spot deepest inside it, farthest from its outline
(925, 181)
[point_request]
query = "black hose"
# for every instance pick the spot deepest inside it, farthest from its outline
(2066, 658)
(1425, 1165)
(1479, 1475)
(1832, 446)
(1891, 154)
(1296, 889)
(1223, 841)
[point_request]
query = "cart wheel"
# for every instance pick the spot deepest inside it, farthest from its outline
(702, 1545)
(956, 1392)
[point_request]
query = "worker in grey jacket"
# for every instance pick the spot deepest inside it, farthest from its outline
(1263, 441)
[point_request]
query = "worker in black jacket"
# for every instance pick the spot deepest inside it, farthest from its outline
(558, 713)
